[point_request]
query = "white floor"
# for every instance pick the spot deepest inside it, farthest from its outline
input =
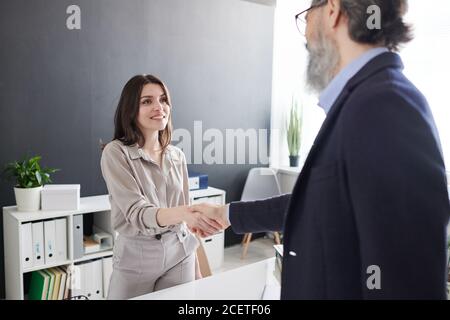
(259, 249)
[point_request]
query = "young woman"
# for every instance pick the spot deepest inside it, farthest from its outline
(147, 182)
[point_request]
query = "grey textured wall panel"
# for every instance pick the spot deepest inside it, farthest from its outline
(59, 88)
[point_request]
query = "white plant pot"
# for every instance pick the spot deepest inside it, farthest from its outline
(28, 199)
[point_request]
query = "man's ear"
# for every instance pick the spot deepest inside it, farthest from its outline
(333, 13)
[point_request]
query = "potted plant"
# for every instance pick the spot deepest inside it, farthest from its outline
(30, 178)
(294, 127)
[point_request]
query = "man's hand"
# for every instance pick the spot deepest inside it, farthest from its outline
(194, 220)
(201, 224)
(218, 213)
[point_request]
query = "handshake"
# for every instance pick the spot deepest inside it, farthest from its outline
(206, 219)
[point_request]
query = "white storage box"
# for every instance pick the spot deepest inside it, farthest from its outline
(61, 197)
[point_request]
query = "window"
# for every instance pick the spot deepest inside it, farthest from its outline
(426, 61)
(427, 64)
(290, 59)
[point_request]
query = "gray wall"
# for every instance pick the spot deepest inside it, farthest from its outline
(59, 88)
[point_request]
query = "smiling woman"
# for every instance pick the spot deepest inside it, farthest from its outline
(145, 91)
(147, 182)
(155, 109)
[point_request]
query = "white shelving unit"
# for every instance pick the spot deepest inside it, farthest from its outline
(12, 220)
(100, 206)
(214, 245)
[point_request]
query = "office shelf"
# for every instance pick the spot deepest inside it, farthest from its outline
(96, 255)
(12, 221)
(50, 265)
(100, 206)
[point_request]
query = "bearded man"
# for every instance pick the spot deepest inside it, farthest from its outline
(367, 217)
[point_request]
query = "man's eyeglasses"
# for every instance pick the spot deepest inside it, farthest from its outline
(301, 19)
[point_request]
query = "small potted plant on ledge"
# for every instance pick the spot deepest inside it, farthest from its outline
(30, 178)
(294, 128)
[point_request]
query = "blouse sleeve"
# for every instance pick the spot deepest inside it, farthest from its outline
(185, 179)
(124, 190)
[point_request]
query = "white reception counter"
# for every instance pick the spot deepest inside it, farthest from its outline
(255, 281)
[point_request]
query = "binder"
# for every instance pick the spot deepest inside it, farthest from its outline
(57, 284)
(107, 264)
(67, 289)
(62, 287)
(26, 245)
(78, 249)
(96, 276)
(38, 243)
(86, 280)
(49, 240)
(38, 286)
(69, 286)
(76, 283)
(92, 280)
(51, 283)
(61, 239)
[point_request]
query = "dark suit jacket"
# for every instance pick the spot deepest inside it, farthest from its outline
(372, 192)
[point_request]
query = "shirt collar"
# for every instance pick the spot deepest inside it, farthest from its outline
(335, 87)
(136, 152)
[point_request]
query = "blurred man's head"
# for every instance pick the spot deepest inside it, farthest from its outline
(338, 31)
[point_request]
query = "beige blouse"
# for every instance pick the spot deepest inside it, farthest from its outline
(137, 187)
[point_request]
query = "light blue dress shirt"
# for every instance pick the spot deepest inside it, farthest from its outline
(335, 87)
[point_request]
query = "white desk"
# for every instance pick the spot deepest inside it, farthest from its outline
(251, 282)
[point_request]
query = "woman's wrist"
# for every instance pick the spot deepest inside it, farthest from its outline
(171, 216)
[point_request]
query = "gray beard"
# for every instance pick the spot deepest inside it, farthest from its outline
(323, 62)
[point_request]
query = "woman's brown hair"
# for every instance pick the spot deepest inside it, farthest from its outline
(126, 129)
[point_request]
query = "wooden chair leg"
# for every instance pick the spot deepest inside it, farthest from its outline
(244, 239)
(247, 242)
(277, 237)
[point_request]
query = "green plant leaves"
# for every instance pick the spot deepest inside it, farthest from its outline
(38, 177)
(294, 127)
(28, 173)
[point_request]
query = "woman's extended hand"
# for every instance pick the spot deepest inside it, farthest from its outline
(201, 224)
(197, 222)
(215, 212)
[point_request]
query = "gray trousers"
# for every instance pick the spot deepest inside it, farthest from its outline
(143, 264)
